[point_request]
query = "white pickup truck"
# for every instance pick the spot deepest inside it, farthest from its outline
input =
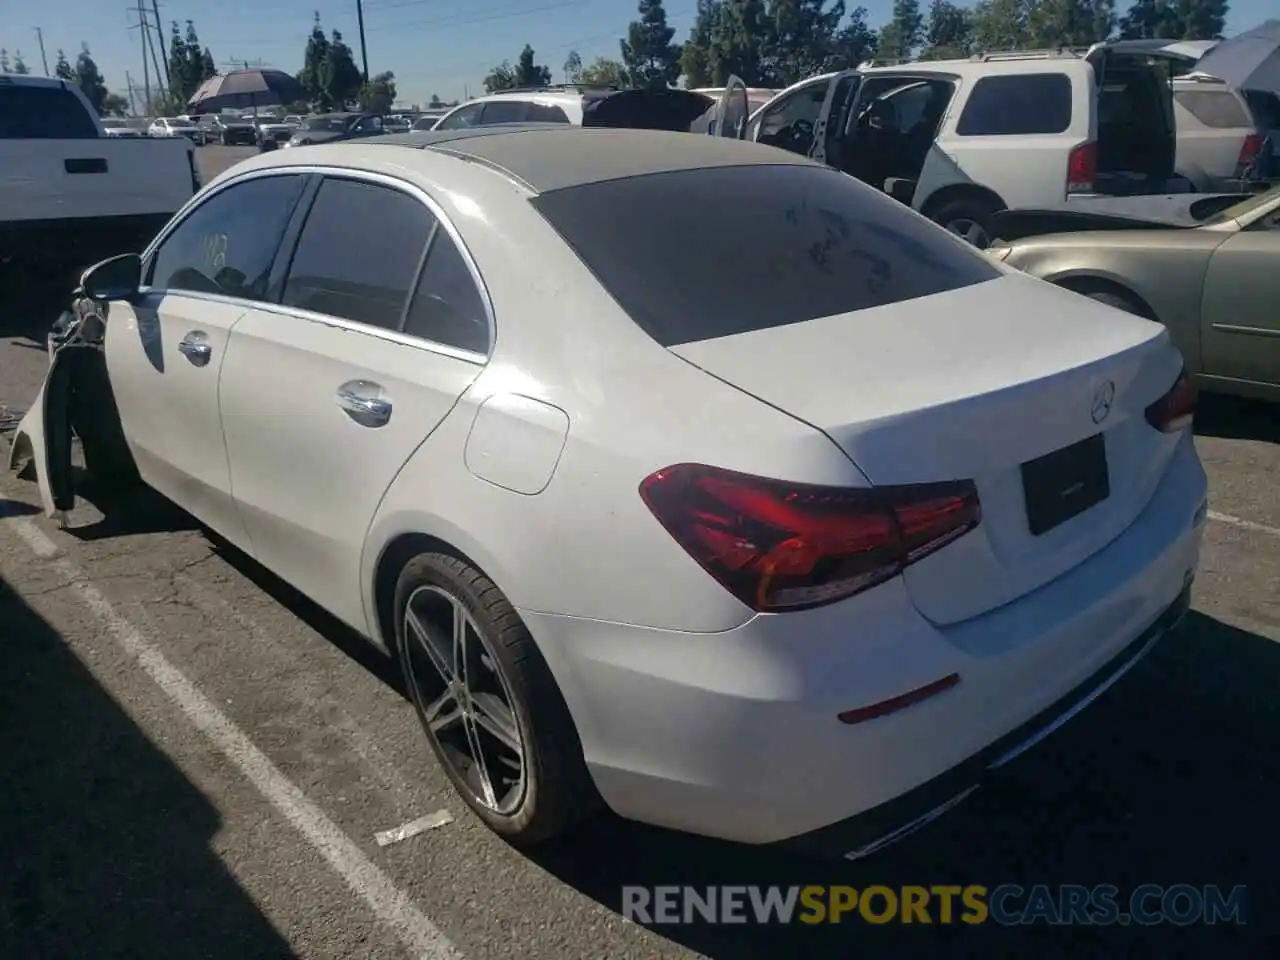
(70, 195)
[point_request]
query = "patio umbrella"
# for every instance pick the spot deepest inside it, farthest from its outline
(1248, 61)
(245, 88)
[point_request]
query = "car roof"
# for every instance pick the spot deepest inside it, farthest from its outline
(554, 156)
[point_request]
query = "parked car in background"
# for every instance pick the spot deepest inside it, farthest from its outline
(115, 127)
(398, 123)
(959, 140)
(335, 126)
(176, 127)
(230, 130)
(273, 132)
(72, 193)
(1222, 146)
(583, 106)
(837, 608)
(1208, 268)
(294, 119)
(428, 118)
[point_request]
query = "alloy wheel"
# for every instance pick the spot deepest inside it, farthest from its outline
(971, 231)
(463, 699)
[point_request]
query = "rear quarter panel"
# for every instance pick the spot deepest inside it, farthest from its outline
(1164, 268)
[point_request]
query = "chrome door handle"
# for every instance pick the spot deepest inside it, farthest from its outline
(195, 347)
(363, 402)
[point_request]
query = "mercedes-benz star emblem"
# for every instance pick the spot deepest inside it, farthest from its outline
(1103, 397)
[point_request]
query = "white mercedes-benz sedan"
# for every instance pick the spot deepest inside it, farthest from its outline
(680, 474)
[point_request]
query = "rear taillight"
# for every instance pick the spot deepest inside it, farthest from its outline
(1082, 168)
(1177, 408)
(781, 546)
(1250, 150)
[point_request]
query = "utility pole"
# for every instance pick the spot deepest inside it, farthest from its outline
(164, 54)
(133, 107)
(44, 58)
(144, 35)
(364, 55)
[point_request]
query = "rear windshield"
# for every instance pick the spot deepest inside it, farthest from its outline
(43, 113)
(699, 254)
(1214, 108)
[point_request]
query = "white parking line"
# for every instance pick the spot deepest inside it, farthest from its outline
(346, 858)
(1244, 524)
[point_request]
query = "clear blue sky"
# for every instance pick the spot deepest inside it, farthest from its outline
(434, 46)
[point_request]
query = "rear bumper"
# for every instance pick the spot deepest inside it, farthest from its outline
(736, 734)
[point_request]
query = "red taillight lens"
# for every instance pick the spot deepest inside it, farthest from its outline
(1250, 150)
(780, 546)
(1082, 168)
(1176, 409)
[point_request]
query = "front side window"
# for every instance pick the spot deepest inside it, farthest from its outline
(503, 111)
(467, 116)
(821, 244)
(789, 123)
(358, 253)
(1017, 105)
(228, 244)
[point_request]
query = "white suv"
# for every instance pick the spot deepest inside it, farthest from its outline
(1222, 146)
(959, 140)
(584, 106)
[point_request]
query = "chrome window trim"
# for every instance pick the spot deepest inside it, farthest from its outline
(341, 173)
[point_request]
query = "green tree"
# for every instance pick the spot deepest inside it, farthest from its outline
(573, 67)
(343, 80)
(652, 60)
(207, 67)
(115, 105)
(1001, 25)
(801, 38)
(5, 66)
(902, 35)
(435, 103)
(379, 93)
(695, 54)
(89, 78)
(19, 65)
(949, 32)
(178, 64)
(500, 77)
(62, 69)
(1070, 23)
(312, 76)
(603, 72)
(1175, 19)
(855, 43)
(528, 73)
(740, 43)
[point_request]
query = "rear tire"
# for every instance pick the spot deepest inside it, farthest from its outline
(968, 218)
(503, 685)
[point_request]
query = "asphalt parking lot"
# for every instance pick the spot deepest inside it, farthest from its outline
(193, 754)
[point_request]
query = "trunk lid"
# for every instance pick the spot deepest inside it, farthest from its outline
(972, 384)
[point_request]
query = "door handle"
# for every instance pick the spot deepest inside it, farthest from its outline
(195, 347)
(362, 401)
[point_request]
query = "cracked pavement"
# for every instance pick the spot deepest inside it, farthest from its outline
(124, 833)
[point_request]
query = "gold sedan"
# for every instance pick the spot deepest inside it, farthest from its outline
(1212, 278)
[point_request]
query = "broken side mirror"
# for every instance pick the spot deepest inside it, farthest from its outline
(117, 278)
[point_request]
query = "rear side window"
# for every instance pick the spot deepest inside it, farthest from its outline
(1214, 108)
(1017, 105)
(447, 307)
(758, 247)
(359, 252)
(503, 111)
(43, 113)
(546, 113)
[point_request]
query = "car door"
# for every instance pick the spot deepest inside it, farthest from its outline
(380, 327)
(732, 111)
(165, 351)
(788, 121)
(1241, 305)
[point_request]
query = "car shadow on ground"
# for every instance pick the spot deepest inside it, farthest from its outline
(1168, 779)
(1237, 418)
(104, 843)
